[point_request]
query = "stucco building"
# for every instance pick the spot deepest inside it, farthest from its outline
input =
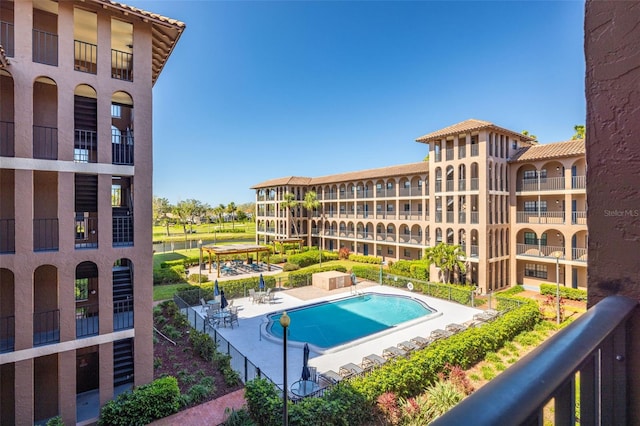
(75, 202)
(511, 204)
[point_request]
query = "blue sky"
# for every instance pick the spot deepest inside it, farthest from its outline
(260, 90)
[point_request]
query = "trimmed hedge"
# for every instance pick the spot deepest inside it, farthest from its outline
(168, 275)
(303, 278)
(410, 376)
(566, 292)
(144, 404)
(310, 257)
(365, 259)
(232, 289)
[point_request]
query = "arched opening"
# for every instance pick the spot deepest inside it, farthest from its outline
(86, 294)
(45, 119)
(7, 115)
(85, 104)
(122, 126)
(122, 273)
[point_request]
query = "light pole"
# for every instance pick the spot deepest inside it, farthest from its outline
(284, 322)
(381, 266)
(557, 255)
(200, 264)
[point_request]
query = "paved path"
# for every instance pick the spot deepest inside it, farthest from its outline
(207, 414)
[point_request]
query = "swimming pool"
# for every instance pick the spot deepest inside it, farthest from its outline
(333, 323)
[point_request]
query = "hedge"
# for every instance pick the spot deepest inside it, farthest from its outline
(310, 257)
(232, 289)
(168, 275)
(566, 292)
(410, 376)
(303, 278)
(144, 404)
(365, 259)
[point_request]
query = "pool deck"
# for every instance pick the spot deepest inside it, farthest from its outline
(249, 339)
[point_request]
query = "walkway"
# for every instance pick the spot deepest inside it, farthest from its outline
(207, 414)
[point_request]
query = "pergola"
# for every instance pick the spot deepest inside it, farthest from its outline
(227, 250)
(299, 241)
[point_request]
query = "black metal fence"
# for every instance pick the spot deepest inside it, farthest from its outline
(45, 47)
(45, 234)
(121, 65)
(86, 57)
(7, 38)
(87, 320)
(7, 235)
(7, 333)
(46, 327)
(7, 139)
(123, 315)
(123, 230)
(45, 142)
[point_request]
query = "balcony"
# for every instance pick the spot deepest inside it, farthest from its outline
(593, 349)
(450, 217)
(438, 186)
(85, 146)
(541, 184)
(386, 236)
(45, 234)
(413, 191)
(122, 147)
(7, 236)
(579, 254)
(7, 333)
(45, 48)
(462, 152)
(410, 215)
(449, 185)
(87, 320)
(437, 156)
(474, 183)
(438, 216)
(449, 154)
(86, 230)
(578, 182)
(475, 150)
(365, 235)
(7, 38)
(462, 185)
(123, 315)
(122, 230)
(46, 327)
(45, 142)
(7, 139)
(541, 251)
(540, 217)
(85, 57)
(411, 239)
(462, 217)
(475, 218)
(579, 218)
(121, 65)
(474, 252)
(364, 194)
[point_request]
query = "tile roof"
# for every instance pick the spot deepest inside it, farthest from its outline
(570, 148)
(3, 58)
(468, 126)
(399, 170)
(165, 32)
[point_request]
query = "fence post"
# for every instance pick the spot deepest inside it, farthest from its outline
(473, 300)
(449, 293)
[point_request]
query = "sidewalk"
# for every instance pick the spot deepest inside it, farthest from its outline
(207, 414)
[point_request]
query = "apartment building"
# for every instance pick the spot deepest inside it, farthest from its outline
(476, 190)
(75, 202)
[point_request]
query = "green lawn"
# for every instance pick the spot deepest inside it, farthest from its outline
(226, 231)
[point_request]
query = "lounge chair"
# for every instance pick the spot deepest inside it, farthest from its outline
(421, 341)
(349, 370)
(455, 328)
(331, 376)
(393, 352)
(408, 346)
(440, 334)
(372, 360)
(252, 295)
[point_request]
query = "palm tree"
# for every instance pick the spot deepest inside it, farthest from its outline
(232, 209)
(447, 258)
(289, 203)
(580, 132)
(310, 203)
(161, 208)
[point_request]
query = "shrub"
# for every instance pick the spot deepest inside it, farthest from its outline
(55, 421)
(144, 404)
(232, 289)
(365, 259)
(288, 267)
(442, 396)
(203, 345)
(168, 275)
(513, 290)
(565, 292)
(198, 278)
(303, 278)
(344, 253)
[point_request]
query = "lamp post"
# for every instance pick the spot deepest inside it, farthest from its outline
(557, 288)
(284, 322)
(200, 264)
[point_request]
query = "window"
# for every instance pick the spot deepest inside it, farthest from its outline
(389, 251)
(116, 111)
(82, 289)
(535, 271)
(530, 238)
(532, 206)
(390, 208)
(389, 185)
(407, 253)
(116, 195)
(407, 207)
(390, 229)
(529, 175)
(407, 185)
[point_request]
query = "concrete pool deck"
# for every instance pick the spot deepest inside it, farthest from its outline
(266, 354)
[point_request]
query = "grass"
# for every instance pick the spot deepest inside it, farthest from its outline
(241, 231)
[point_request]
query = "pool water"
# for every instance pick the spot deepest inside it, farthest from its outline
(330, 324)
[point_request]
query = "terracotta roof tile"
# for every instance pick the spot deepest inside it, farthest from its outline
(468, 126)
(399, 170)
(570, 148)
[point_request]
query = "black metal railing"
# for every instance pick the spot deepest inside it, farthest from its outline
(87, 320)
(86, 232)
(593, 350)
(123, 314)
(7, 38)
(7, 236)
(121, 65)
(85, 146)
(7, 333)
(123, 230)
(45, 142)
(45, 47)
(85, 57)
(7, 139)
(45, 234)
(46, 327)
(122, 147)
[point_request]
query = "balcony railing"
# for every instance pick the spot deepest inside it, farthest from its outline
(462, 152)
(593, 349)
(462, 185)
(45, 142)
(539, 250)
(474, 250)
(410, 215)
(438, 217)
(450, 217)
(7, 236)
(449, 154)
(578, 182)
(86, 57)
(438, 186)
(579, 254)
(46, 327)
(85, 146)
(123, 314)
(121, 65)
(7, 139)
(87, 320)
(86, 231)
(475, 150)
(437, 156)
(413, 191)
(45, 48)
(123, 230)
(475, 217)
(474, 184)
(364, 194)
(45, 234)
(540, 184)
(7, 38)
(462, 217)
(449, 185)
(7, 333)
(540, 217)
(122, 147)
(579, 218)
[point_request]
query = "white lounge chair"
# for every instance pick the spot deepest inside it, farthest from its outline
(372, 360)
(349, 370)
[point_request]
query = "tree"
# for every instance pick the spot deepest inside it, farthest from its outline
(526, 133)
(310, 203)
(289, 203)
(580, 132)
(448, 258)
(219, 212)
(232, 209)
(161, 209)
(187, 211)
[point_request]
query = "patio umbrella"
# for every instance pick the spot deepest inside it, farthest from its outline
(306, 374)
(261, 283)
(223, 300)
(216, 290)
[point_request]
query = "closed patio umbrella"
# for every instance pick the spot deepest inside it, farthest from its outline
(261, 282)
(306, 374)
(216, 290)
(223, 300)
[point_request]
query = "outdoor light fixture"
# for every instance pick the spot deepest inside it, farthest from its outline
(284, 322)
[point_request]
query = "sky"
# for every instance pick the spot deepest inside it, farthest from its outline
(260, 90)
